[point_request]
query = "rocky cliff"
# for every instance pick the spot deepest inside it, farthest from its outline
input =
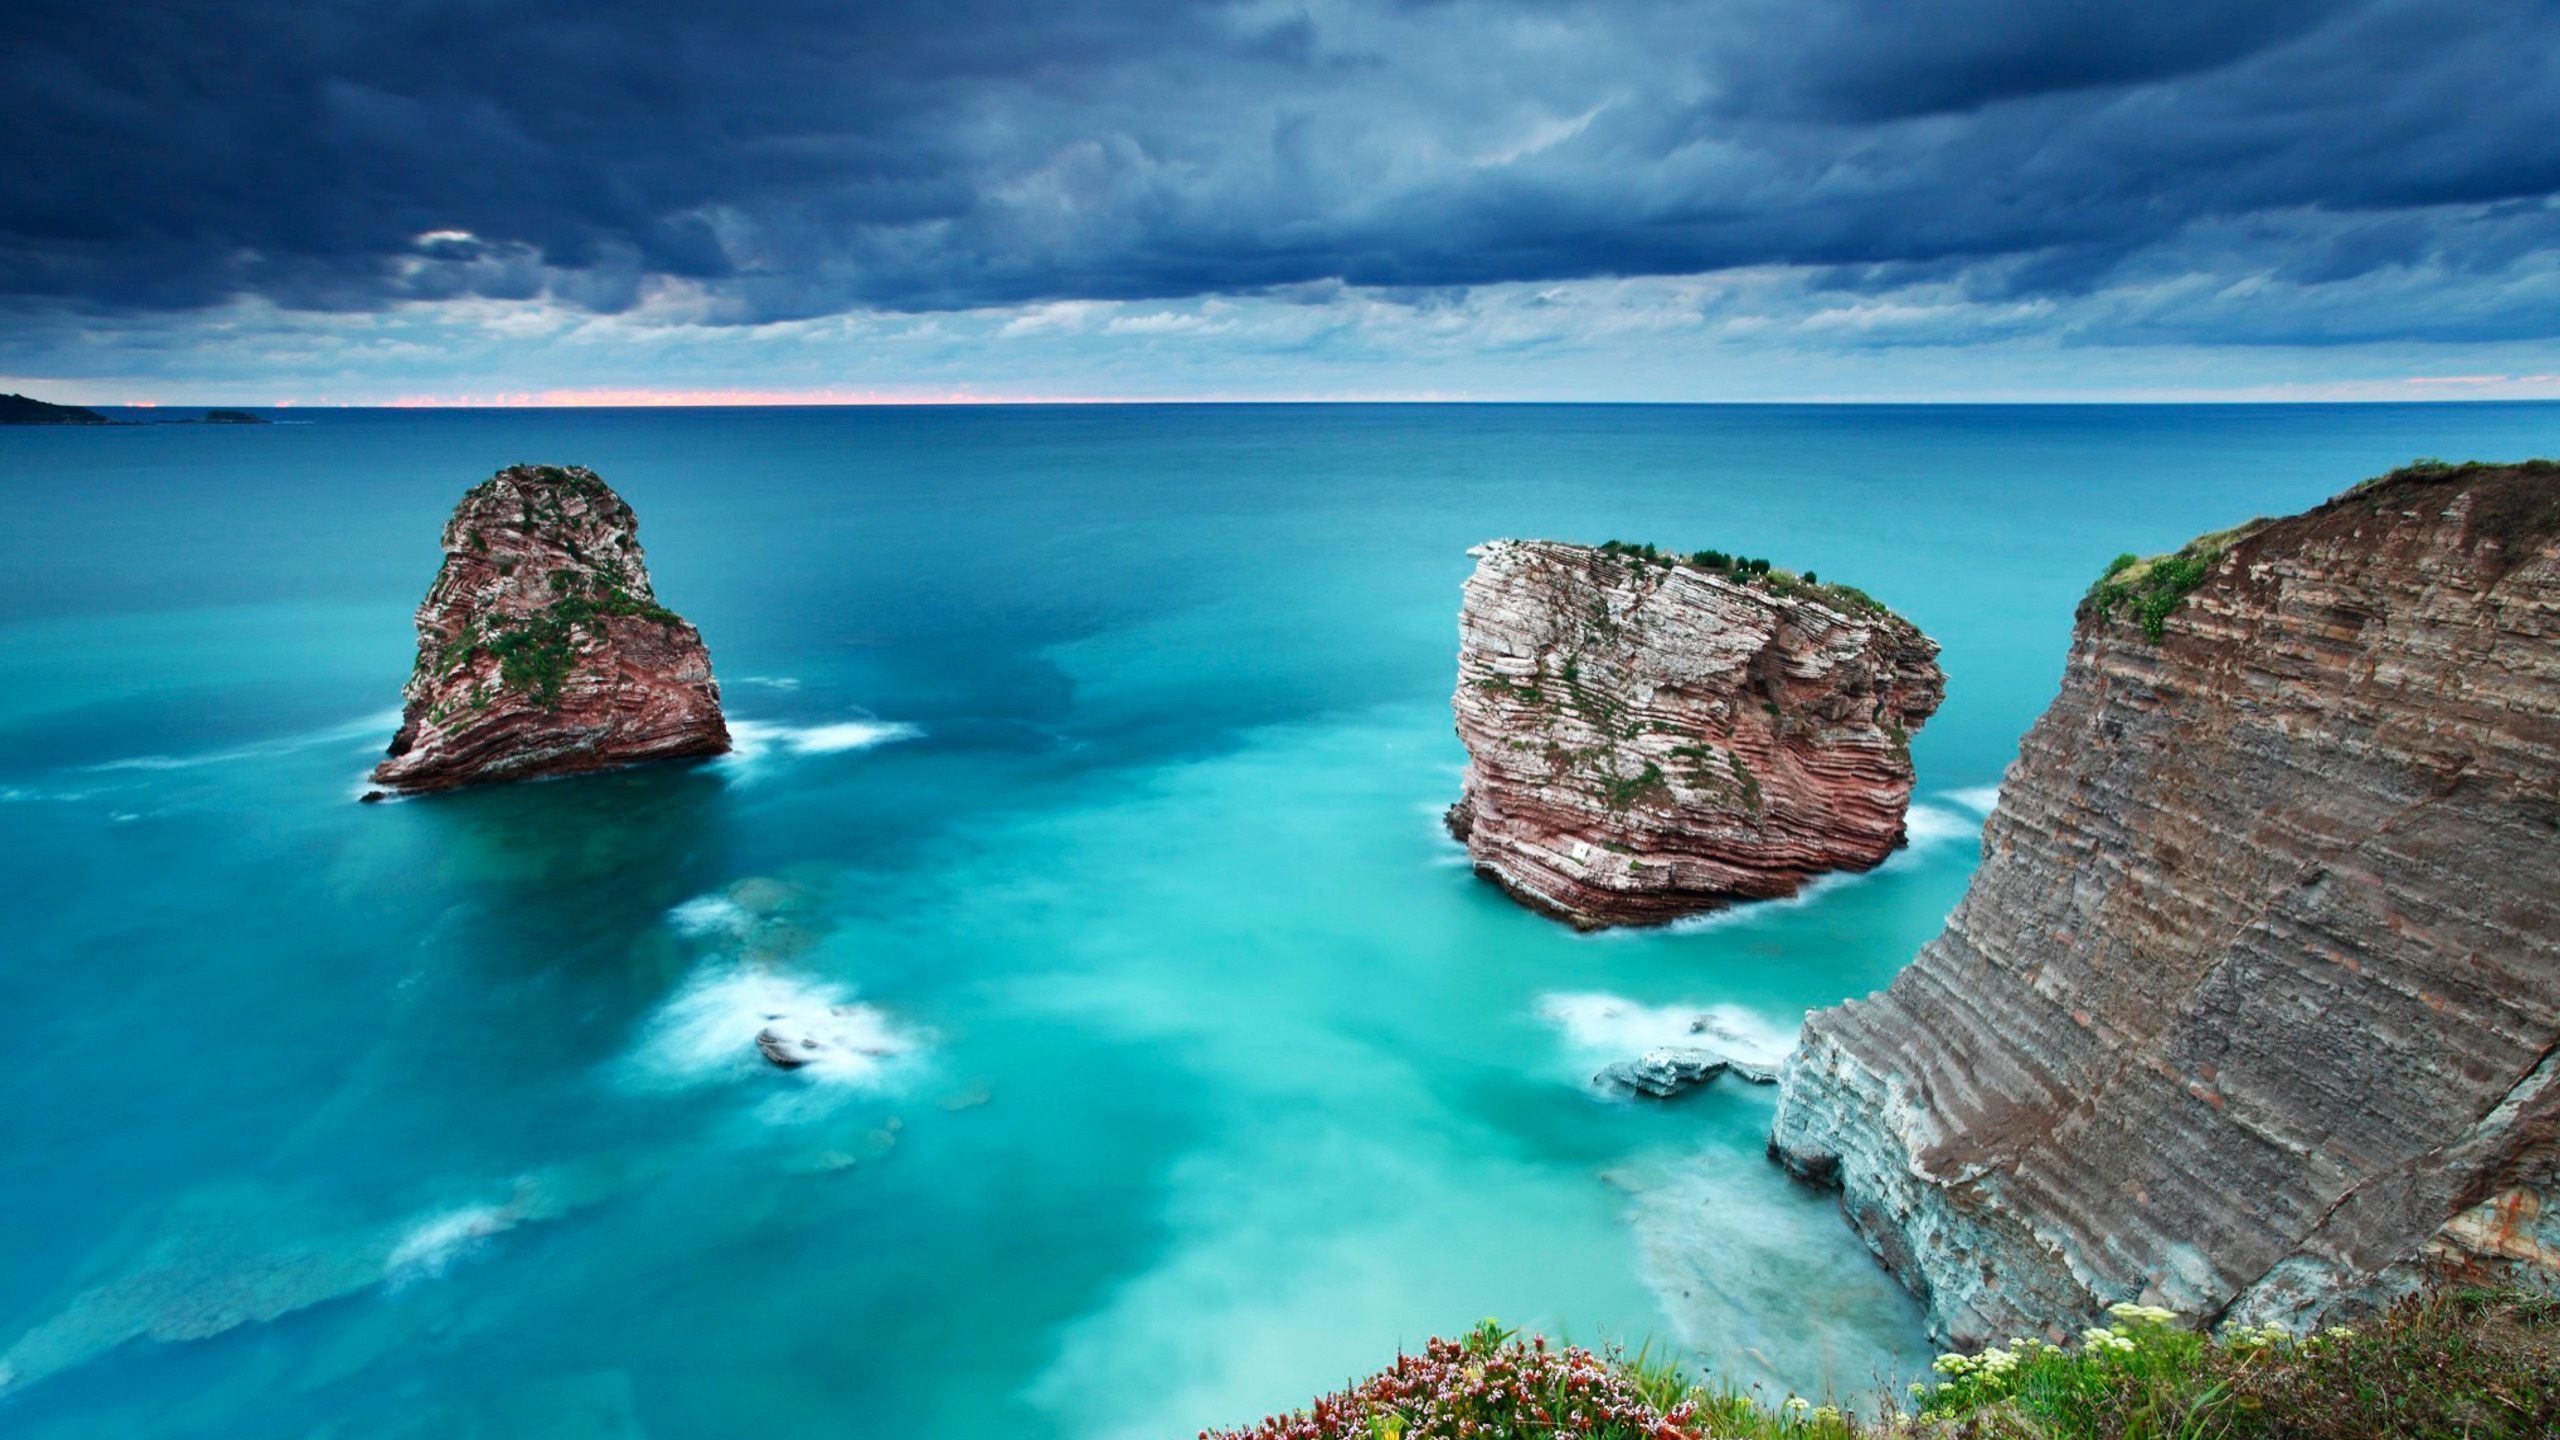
(1649, 737)
(2252, 1008)
(542, 649)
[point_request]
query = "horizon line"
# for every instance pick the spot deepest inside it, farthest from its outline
(1135, 402)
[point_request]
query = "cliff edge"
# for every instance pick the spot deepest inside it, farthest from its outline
(2252, 1009)
(1649, 737)
(542, 649)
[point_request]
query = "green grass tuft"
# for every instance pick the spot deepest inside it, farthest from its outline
(2477, 1365)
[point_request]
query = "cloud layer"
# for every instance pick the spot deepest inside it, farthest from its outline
(2179, 172)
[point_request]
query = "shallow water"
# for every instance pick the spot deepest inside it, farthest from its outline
(1094, 756)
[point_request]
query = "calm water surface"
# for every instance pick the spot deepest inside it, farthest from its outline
(1098, 752)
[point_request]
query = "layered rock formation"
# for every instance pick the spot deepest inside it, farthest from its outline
(1648, 738)
(2253, 1006)
(542, 649)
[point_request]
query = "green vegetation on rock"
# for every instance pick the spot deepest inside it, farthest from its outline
(2477, 1365)
(2152, 589)
(1752, 571)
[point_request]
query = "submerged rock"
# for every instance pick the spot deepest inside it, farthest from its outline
(791, 1041)
(1648, 738)
(2254, 1003)
(1665, 1072)
(542, 649)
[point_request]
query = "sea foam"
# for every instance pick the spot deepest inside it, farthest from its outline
(1599, 1028)
(433, 1244)
(1980, 799)
(754, 740)
(706, 916)
(369, 728)
(706, 1032)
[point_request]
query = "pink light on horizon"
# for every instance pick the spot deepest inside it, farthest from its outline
(644, 396)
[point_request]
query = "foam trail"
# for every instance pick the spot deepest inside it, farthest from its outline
(1745, 912)
(432, 1245)
(754, 740)
(1929, 826)
(370, 728)
(1980, 799)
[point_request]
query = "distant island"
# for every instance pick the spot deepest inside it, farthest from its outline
(19, 410)
(25, 410)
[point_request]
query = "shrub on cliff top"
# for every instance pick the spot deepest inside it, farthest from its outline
(2154, 588)
(2472, 1364)
(1751, 570)
(1493, 1386)
(2477, 1365)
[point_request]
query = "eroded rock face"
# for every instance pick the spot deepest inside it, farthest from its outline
(1648, 739)
(2254, 1003)
(542, 649)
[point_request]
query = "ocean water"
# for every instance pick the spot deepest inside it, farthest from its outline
(1092, 757)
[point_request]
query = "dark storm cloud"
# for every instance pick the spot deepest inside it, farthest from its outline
(780, 160)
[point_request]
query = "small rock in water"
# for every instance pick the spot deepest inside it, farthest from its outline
(1668, 1071)
(969, 1099)
(791, 1041)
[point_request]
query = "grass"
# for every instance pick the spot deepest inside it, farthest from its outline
(2468, 1365)
(2513, 506)
(2153, 588)
(1752, 571)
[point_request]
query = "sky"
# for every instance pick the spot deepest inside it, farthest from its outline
(636, 201)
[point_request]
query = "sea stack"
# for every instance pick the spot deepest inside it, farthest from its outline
(2253, 1009)
(542, 649)
(1651, 736)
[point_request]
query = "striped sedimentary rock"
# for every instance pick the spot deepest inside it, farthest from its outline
(1648, 739)
(542, 648)
(2253, 1004)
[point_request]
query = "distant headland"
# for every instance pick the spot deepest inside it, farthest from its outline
(26, 410)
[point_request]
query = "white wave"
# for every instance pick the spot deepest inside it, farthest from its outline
(1749, 911)
(707, 1031)
(1933, 825)
(770, 682)
(753, 740)
(432, 1245)
(1599, 1028)
(1980, 799)
(708, 915)
(27, 795)
(370, 728)
(1929, 828)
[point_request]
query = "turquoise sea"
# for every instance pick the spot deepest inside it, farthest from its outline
(1098, 751)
